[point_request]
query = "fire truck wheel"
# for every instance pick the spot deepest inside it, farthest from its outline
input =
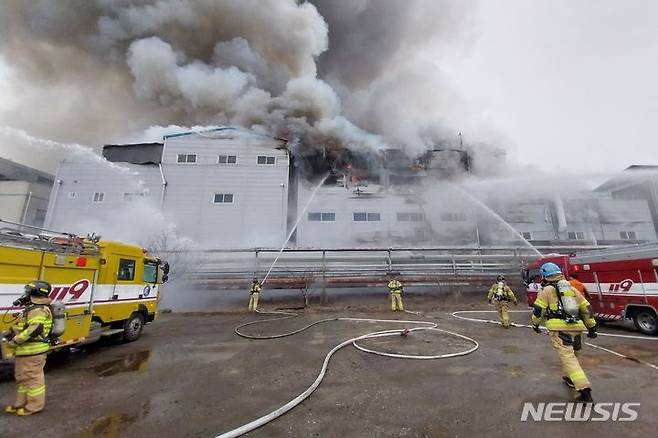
(132, 329)
(646, 322)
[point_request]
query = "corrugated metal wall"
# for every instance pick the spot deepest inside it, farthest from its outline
(255, 217)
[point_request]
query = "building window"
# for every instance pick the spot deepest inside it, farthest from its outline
(126, 270)
(453, 217)
(131, 196)
(73, 195)
(98, 198)
(367, 217)
(627, 235)
(223, 198)
(227, 159)
(575, 235)
(410, 217)
(321, 217)
(526, 235)
(262, 159)
(186, 158)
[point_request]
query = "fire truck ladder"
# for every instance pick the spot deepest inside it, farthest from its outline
(626, 252)
(27, 236)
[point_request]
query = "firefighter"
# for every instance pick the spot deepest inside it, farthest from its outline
(395, 288)
(29, 339)
(254, 294)
(502, 295)
(580, 287)
(567, 314)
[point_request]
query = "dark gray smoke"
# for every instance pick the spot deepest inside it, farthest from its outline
(338, 75)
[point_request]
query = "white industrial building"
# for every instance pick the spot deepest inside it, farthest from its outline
(235, 188)
(225, 187)
(376, 216)
(24, 193)
(636, 183)
(583, 218)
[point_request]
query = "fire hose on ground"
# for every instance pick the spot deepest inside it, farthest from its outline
(424, 325)
(589, 344)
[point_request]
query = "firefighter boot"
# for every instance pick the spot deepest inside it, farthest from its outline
(585, 396)
(22, 412)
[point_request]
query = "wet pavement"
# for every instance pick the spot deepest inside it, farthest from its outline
(190, 375)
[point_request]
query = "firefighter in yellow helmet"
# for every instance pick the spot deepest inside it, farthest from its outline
(395, 289)
(30, 340)
(254, 294)
(501, 295)
(567, 314)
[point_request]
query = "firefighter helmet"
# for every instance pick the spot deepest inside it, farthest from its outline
(38, 288)
(550, 269)
(501, 277)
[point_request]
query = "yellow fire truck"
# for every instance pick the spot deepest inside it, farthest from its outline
(108, 288)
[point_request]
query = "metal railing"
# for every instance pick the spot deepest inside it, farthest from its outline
(350, 267)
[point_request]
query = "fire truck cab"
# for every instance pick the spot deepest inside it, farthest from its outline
(622, 282)
(108, 288)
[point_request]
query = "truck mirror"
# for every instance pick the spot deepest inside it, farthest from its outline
(165, 278)
(165, 268)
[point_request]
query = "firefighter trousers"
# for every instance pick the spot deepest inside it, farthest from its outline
(28, 371)
(568, 345)
(253, 301)
(396, 301)
(503, 306)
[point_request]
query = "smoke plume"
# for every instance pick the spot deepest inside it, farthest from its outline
(338, 75)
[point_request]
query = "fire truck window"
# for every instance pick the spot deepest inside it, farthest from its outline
(126, 270)
(150, 273)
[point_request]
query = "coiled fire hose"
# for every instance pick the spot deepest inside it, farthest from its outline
(598, 347)
(424, 325)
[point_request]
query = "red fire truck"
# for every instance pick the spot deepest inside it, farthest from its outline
(622, 282)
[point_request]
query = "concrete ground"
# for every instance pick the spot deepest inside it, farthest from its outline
(190, 375)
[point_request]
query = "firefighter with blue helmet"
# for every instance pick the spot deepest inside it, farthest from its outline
(567, 315)
(29, 338)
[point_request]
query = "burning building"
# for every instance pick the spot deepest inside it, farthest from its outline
(237, 188)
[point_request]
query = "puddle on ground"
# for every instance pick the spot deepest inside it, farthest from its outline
(511, 349)
(114, 424)
(109, 426)
(130, 362)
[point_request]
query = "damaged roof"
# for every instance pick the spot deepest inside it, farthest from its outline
(135, 153)
(213, 131)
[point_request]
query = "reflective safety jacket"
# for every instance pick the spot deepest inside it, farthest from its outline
(578, 285)
(395, 287)
(255, 288)
(506, 291)
(547, 307)
(31, 332)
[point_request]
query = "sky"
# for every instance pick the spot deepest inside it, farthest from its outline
(568, 85)
(574, 82)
